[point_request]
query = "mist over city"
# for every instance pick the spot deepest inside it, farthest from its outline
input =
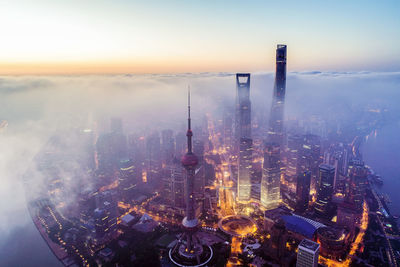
(199, 134)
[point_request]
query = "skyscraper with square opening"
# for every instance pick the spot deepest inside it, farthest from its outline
(244, 142)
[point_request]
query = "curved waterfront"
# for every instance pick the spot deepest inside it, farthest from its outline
(382, 154)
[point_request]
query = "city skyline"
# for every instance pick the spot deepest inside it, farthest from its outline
(189, 134)
(64, 37)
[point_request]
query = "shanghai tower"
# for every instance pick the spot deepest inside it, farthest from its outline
(275, 130)
(271, 176)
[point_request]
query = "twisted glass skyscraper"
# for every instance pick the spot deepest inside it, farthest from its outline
(271, 177)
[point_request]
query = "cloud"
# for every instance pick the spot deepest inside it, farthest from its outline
(37, 106)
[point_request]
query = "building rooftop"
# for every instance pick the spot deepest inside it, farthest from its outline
(327, 167)
(127, 219)
(311, 245)
(301, 225)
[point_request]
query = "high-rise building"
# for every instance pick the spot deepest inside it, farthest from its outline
(307, 254)
(167, 147)
(228, 136)
(173, 189)
(275, 131)
(325, 189)
(128, 178)
(271, 176)
(303, 190)
(294, 149)
(153, 157)
(310, 157)
(244, 174)
(243, 136)
(243, 107)
(358, 183)
(189, 250)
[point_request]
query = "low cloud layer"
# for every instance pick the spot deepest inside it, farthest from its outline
(34, 107)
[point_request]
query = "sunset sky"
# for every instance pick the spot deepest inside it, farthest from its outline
(124, 36)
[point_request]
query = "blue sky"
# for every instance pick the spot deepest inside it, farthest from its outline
(180, 36)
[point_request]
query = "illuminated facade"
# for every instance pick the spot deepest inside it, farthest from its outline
(325, 189)
(358, 184)
(271, 176)
(303, 190)
(307, 255)
(310, 157)
(294, 149)
(275, 131)
(128, 179)
(243, 136)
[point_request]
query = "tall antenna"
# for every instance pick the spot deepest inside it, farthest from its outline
(189, 120)
(189, 133)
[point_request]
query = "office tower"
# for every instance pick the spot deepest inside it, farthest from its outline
(243, 136)
(111, 148)
(303, 190)
(275, 130)
(310, 157)
(87, 144)
(244, 174)
(358, 184)
(153, 157)
(178, 186)
(128, 179)
(325, 189)
(228, 136)
(189, 251)
(167, 147)
(271, 176)
(198, 149)
(105, 214)
(293, 161)
(307, 254)
(173, 189)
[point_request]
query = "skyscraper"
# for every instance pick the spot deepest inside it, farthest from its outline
(128, 178)
(325, 189)
(243, 135)
(294, 149)
(167, 147)
(358, 184)
(310, 157)
(275, 131)
(189, 251)
(271, 176)
(303, 190)
(243, 107)
(307, 255)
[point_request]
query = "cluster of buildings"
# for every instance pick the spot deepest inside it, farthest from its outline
(305, 192)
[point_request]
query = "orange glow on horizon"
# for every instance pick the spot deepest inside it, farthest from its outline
(135, 66)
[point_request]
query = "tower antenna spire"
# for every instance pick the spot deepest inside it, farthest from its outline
(189, 119)
(189, 133)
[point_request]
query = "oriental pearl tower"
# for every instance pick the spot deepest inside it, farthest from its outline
(189, 251)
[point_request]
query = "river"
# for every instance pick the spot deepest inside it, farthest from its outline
(382, 154)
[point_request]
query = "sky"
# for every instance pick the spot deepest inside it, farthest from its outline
(121, 36)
